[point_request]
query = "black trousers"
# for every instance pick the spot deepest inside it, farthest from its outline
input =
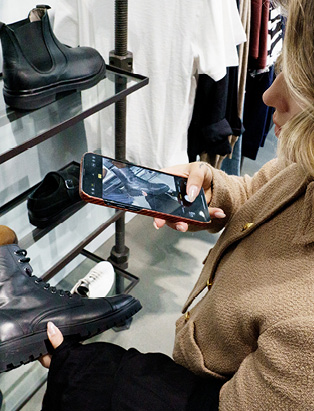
(104, 376)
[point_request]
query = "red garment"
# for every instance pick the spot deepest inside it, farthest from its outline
(258, 34)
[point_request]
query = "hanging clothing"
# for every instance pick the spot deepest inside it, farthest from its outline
(232, 164)
(257, 117)
(215, 116)
(259, 34)
(216, 122)
(276, 27)
(171, 41)
(243, 49)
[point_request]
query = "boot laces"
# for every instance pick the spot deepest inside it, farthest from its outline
(38, 280)
(52, 289)
(24, 259)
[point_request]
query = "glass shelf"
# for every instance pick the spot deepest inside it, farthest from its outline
(21, 130)
(67, 237)
(57, 250)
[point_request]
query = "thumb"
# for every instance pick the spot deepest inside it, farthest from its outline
(193, 191)
(54, 334)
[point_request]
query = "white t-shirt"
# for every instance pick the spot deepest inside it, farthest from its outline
(172, 41)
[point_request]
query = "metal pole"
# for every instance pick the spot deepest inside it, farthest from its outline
(121, 58)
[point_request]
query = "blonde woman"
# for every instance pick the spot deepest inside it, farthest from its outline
(246, 335)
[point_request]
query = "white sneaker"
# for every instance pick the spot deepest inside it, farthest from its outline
(98, 282)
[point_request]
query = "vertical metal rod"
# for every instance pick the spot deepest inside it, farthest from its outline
(121, 27)
(121, 49)
(120, 154)
(120, 129)
(120, 252)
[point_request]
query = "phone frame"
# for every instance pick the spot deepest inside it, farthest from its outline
(99, 200)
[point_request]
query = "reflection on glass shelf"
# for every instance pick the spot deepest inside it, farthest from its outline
(47, 252)
(22, 130)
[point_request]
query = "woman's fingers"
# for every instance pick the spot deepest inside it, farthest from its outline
(158, 223)
(54, 334)
(179, 226)
(45, 360)
(216, 212)
(183, 227)
(199, 175)
(56, 338)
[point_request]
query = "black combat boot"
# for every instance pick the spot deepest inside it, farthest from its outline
(36, 66)
(135, 186)
(27, 303)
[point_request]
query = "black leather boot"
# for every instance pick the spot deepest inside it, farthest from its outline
(36, 66)
(135, 185)
(27, 303)
(58, 191)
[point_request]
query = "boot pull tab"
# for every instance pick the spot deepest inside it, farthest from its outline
(43, 6)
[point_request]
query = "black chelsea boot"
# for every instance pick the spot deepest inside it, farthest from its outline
(36, 66)
(27, 303)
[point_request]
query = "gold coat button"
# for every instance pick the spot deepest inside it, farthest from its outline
(187, 315)
(246, 226)
(209, 283)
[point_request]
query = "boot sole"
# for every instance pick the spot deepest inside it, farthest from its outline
(47, 221)
(36, 98)
(28, 348)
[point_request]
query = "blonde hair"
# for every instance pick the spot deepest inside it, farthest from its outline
(296, 143)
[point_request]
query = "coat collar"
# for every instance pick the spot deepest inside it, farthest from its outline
(289, 184)
(305, 233)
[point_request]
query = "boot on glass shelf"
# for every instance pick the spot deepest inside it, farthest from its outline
(36, 66)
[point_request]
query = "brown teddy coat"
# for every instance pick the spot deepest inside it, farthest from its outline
(250, 317)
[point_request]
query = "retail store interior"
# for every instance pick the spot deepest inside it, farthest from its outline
(166, 262)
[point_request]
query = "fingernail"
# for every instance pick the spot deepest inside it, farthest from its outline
(51, 328)
(180, 227)
(220, 214)
(192, 193)
(155, 225)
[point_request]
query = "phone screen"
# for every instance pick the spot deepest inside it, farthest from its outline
(136, 188)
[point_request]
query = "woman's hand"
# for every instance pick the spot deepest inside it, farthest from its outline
(56, 338)
(199, 175)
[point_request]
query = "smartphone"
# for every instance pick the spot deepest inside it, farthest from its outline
(130, 187)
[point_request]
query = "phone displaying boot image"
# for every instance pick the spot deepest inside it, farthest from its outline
(130, 187)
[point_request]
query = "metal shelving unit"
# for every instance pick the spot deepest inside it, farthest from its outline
(21, 131)
(37, 126)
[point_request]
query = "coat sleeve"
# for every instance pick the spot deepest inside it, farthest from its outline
(279, 375)
(230, 192)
